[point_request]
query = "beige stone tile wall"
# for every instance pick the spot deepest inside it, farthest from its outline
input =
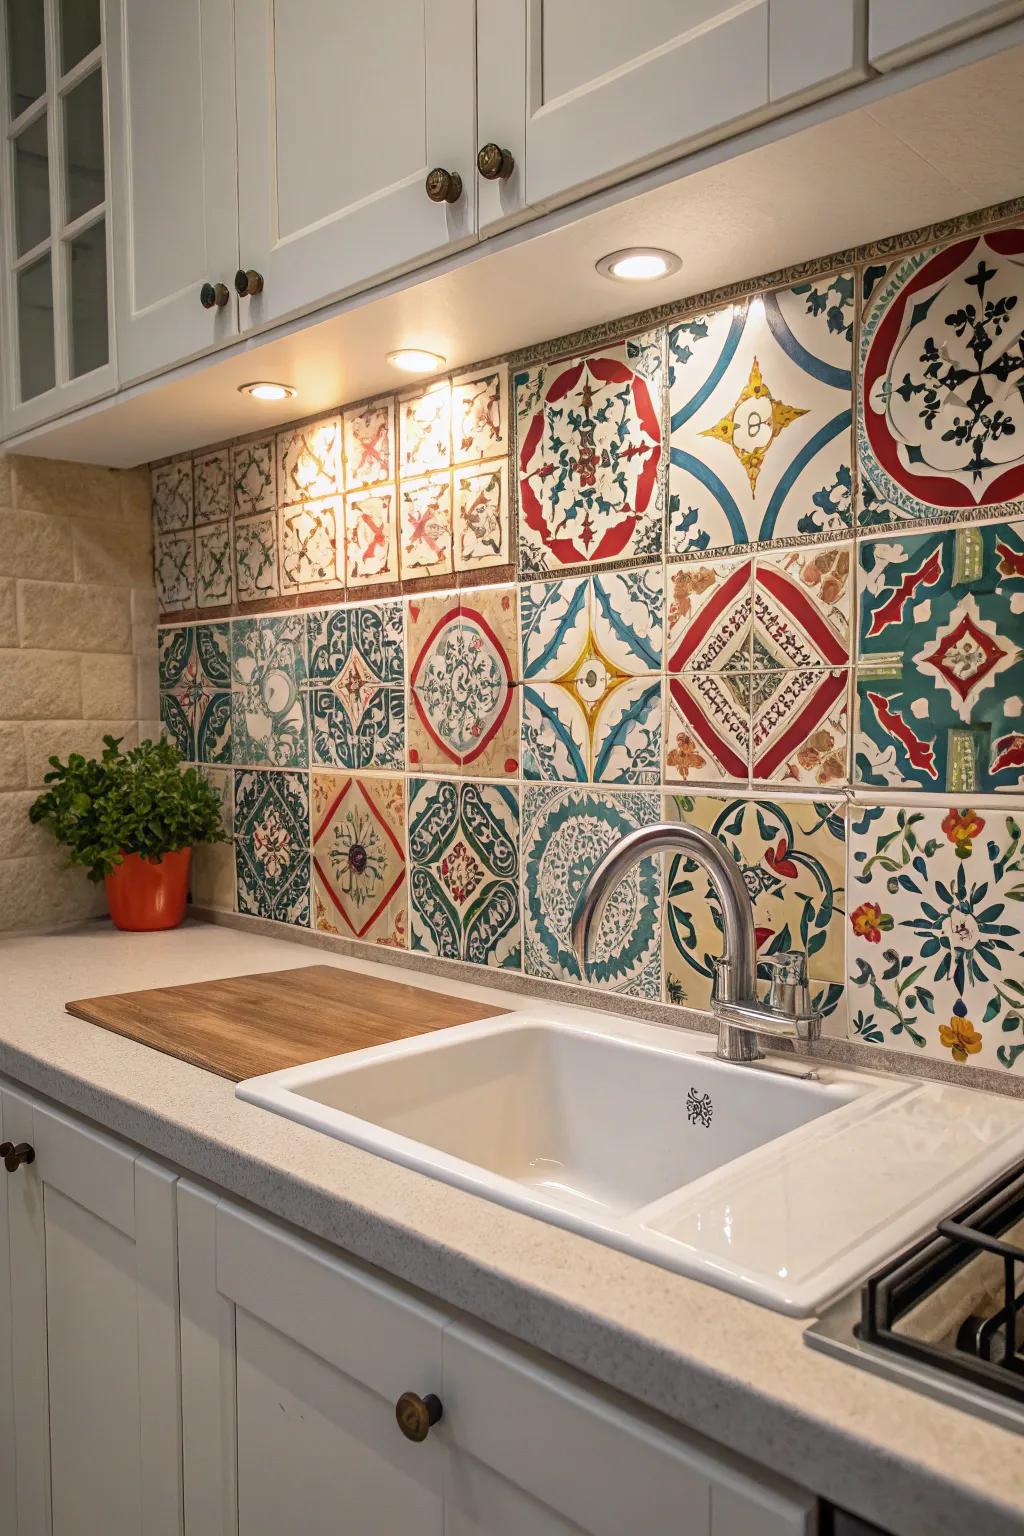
(77, 655)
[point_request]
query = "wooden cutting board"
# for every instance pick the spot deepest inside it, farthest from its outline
(246, 1025)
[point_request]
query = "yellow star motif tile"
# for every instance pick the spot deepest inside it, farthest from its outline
(754, 423)
(590, 679)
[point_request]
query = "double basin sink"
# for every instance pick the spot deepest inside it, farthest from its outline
(782, 1189)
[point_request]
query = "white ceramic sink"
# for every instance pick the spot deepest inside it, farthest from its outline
(782, 1190)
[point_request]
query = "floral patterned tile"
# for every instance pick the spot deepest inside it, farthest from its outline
(566, 831)
(195, 690)
(802, 601)
(479, 415)
(940, 677)
(937, 930)
(173, 504)
(309, 462)
(212, 479)
(174, 570)
(309, 538)
(272, 846)
(589, 458)
(214, 566)
(464, 871)
(424, 428)
(793, 856)
(425, 527)
(268, 700)
(940, 430)
(708, 728)
(369, 444)
(761, 412)
(221, 781)
(358, 835)
(480, 516)
(710, 616)
(357, 686)
(800, 730)
(371, 537)
(592, 650)
(463, 693)
(256, 573)
(254, 478)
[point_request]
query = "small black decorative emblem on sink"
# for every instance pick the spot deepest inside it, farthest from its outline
(699, 1108)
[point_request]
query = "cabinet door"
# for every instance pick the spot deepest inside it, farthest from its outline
(173, 129)
(292, 1363)
(8, 1506)
(343, 110)
(97, 1427)
(901, 30)
(533, 1448)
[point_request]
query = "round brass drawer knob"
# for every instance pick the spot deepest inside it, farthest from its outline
(14, 1156)
(248, 283)
(416, 1415)
(495, 163)
(444, 186)
(214, 295)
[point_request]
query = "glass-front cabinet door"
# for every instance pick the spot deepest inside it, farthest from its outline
(57, 303)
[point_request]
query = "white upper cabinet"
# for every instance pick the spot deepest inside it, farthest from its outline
(172, 108)
(902, 30)
(344, 109)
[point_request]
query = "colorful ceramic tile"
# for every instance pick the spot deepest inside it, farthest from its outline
(425, 527)
(481, 516)
(462, 683)
(253, 478)
(371, 537)
(195, 690)
(802, 602)
(940, 430)
(221, 781)
(589, 455)
(173, 506)
(760, 401)
(710, 616)
(212, 480)
(940, 676)
(268, 702)
(272, 846)
(368, 436)
(800, 730)
(256, 573)
(174, 570)
(707, 728)
(357, 686)
(936, 931)
(214, 566)
(793, 857)
(309, 538)
(464, 871)
(309, 461)
(479, 415)
(566, 831)
(424, 428)
(358, 834)
(592, 648)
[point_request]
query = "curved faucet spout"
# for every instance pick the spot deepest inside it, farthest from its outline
(736, 973)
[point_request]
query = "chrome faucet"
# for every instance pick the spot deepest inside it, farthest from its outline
(734, 1002)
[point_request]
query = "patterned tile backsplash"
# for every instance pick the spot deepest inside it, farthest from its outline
(758, 564)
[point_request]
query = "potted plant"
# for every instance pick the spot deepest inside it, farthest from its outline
(131, 819)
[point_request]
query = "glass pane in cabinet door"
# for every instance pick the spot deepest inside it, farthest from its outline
(31, 186)
(26, 53)
(79, 31)
(35, 328)
(83, 145)
(87, 287)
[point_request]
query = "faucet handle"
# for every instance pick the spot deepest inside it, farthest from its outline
(788, 992)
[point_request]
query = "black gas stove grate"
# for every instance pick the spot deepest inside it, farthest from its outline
(986, 1350)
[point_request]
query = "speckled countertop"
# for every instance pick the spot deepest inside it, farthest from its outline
(734, 1371)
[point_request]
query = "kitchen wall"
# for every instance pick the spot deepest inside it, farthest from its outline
(757, 561)
(77, 655)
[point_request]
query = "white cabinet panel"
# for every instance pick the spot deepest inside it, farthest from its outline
(343, 110)
(8, 1505)
(172, 95)
(501, 109)
(816, 47)
(901, 30)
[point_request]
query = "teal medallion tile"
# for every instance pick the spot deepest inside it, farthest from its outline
(195, 690)
(268, 699)
(272, 864)
(464, 871)
(357, 686)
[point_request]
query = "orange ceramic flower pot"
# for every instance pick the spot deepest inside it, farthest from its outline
(144, 897)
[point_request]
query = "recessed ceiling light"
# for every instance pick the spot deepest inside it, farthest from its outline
(416, 360)
(638, 264)
(262, 389)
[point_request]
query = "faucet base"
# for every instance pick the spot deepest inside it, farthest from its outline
(737, 1044)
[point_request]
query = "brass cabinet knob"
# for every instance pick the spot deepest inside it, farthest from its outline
(214, 295)
(416, 1415)
(14, 1156)
(444, 186)
(495, 163)
(248, 283)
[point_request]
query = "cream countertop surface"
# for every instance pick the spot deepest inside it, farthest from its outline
(734, 1371)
